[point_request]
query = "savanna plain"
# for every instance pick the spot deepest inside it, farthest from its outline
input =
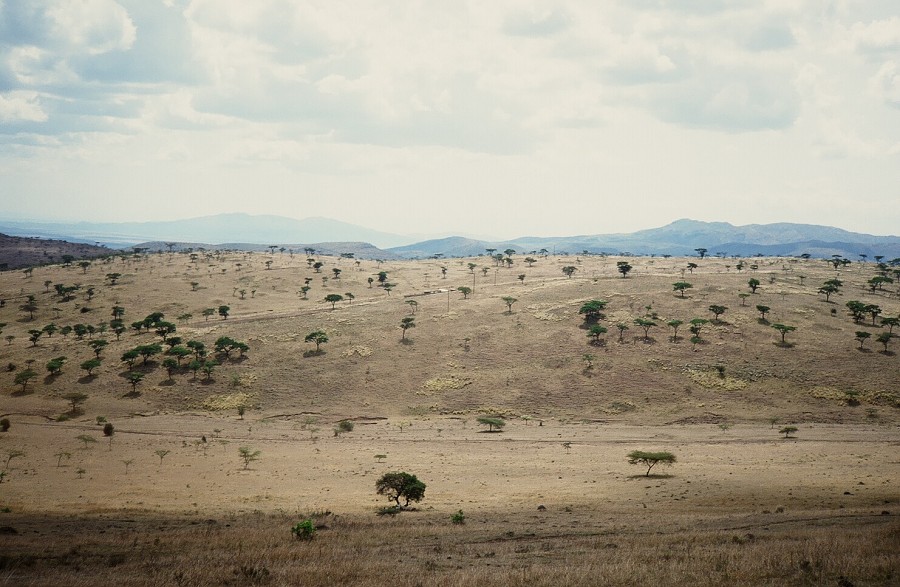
(154, 469)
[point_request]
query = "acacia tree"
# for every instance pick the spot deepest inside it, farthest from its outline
(593, 310)
(763, 310)
(624, 268)
(862, 336)
(674, 324)
(23, 377)
(646, 325)
(223, 312)
(753, 283)
(405, 324)
(885, 339)
(569, 270)
(595, 332)
(783, 329)
(681, 286)
(400, 485)
(650, 459)
(509, 301)
(465, 291)
(717, 311)
(493, 423)
(318, 337)
(334, 299)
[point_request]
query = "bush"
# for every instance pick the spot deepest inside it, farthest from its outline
(108, 429)
(458, 518)
(4, 424)
(304, 530)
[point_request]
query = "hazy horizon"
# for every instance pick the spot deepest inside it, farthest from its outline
(548, 117)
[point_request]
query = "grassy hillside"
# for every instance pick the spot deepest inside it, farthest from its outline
(551, 496)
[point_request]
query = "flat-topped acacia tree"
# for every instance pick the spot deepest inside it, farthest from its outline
(650, 459)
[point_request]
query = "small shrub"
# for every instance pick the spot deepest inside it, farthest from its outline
(4, 424)
(458, 518)
(108, 429)
(304, 530)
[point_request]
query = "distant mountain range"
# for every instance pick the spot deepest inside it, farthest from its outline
(679, 238)
(683, 237)
(220, 228)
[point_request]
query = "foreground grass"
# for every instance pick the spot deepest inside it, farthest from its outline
(562, 547)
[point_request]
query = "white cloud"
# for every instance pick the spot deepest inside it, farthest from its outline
(18, 106)
(886, 83)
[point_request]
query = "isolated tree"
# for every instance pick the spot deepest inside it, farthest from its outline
(763, 310)
(521, 277)
(593, 310)
(874, 311)
(674, 324)
(349, 297)
(34, 336)
(783, 329)
(646, 325)
(680, 286)
(622, 328)
(624, 268)
(148, 350)
(248, 455)
(569, 270)
(405, 324)
(413, 306)
(691, 267)
(84, 265)
(54, 366)
(170, 365)
(787, 431)
(397, 486)
(90, 365)
(134, 377)
(701, 251)
(650, 459)
(717, 311)
(828, 289)
(890, 322)
(465, 291)
(885, 339)
(50, 329)
(318, 337)
(23, 377)
(595, 332)
(753, 283)
(223, 311)
(76, 399)
(98, 345)
(207, 312)
(530, 261)
(509, 301)
(862, 336)
(129, 357)
(493, 423)
(113, 278)
(161, 453)
(743, 295)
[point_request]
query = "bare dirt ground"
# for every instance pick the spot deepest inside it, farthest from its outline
(550, 500)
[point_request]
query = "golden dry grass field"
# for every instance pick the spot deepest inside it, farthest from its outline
(550, 500)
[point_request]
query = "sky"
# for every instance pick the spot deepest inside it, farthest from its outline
(501, 119)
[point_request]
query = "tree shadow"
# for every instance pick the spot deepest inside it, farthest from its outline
(652, 476)
(21, 392)
(48, 379)
(167, 382)
(490, 431)
(86, 379)
(887, 353)
(784, 345)
(307, 354)
(762, 321)
(132, 394)
(406, 342)
(863, 350)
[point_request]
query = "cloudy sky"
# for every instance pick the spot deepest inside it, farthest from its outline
(502, 118)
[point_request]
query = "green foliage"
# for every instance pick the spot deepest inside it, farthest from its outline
(680, 286)
(783, 329)
(54, 366)
(405, 324)
(493, 423)
(23, 377)
(646, 325)
(4, 425)
(788, 431)
(753, 283)
(304, 530)
(595, 332)
(593, 310)
(248, 455)
(318, 336)
(650, 459)
(624, 268)
(509, 301)
(223, 311)
(334, 299)
(76, 399)
(458, 518)
(400, 485)
(569, 270)
(717, 311)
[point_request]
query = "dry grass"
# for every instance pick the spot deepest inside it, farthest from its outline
(416, 402)
(554, 547)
